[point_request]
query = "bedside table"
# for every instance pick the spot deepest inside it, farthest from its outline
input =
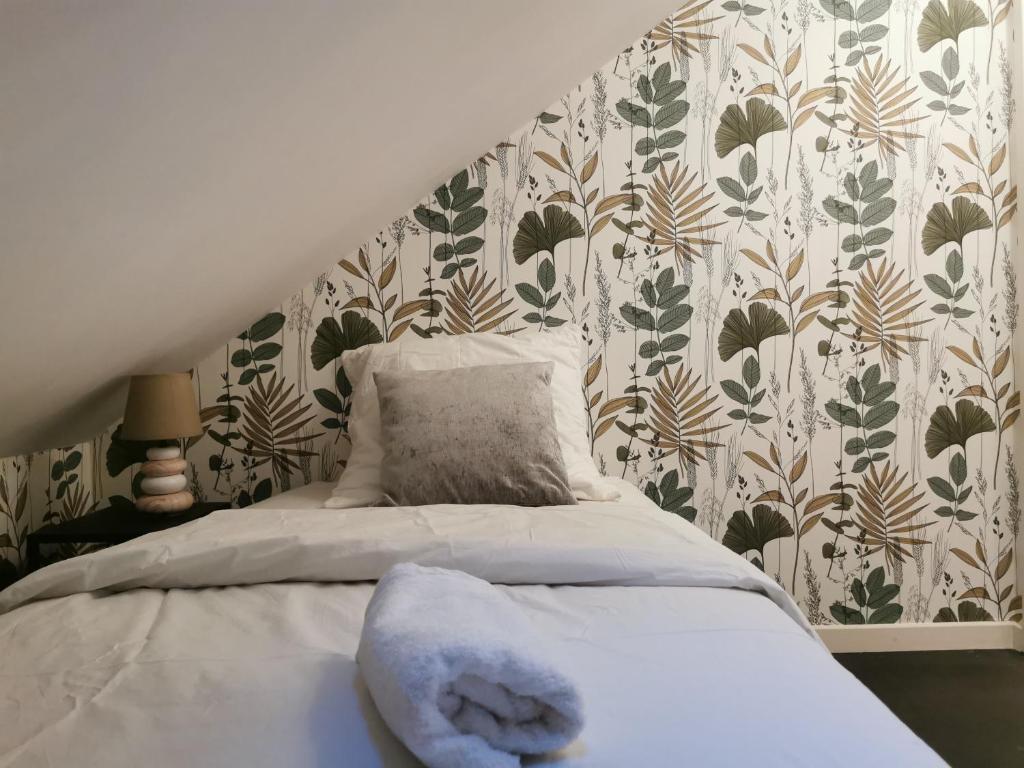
(112, 525)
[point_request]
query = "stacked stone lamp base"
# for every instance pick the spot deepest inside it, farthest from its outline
(164, 483)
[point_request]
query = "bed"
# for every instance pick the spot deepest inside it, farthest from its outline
(230, 641)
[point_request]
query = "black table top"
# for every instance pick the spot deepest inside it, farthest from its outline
(120, 523)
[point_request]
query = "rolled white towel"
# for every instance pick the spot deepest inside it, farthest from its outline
(459, 674)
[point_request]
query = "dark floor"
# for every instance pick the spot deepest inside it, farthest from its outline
(967, 705)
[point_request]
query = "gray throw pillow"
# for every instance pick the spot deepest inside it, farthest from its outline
(477, 435)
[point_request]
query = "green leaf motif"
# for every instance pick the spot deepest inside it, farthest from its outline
(738, 128)
(844, 614)
(871, 10)
(888, 614)
(536, 235)
(880, 440)
(670, 114)
(944, 225)
(670, 139)
(637, 317)
(745, 533)
(735, 391)
(873, 33)
(951, 64)
(670, 497)
(840, 210)
(633, 114)
(941, 488)
(935, 83)
(947, 429)
(882, 596)
(751, 371)
(878, 211)
(431, 219)
(546, 275)
(881, 415)
(674, 318)
(72, 461)
(967, 610)
(855, 446)
(748, 169)
(840, 9)
(467, 245)
(459, 182)
(241, 358)
(644, 88)
(469, 220)
(530, 294)
(443, 197)
(732, 188)
(939, 286)
(267, 351)
(465, 199)
(958, 468)
(955, 266)
(844, 414)
(859, 593)
(939, 22)
(265, 327)
(333, 338)
(740, 331)
(329, 400)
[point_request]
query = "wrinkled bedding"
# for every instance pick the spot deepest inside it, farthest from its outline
(230, 641)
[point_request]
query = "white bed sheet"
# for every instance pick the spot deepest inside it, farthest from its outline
(264, 675)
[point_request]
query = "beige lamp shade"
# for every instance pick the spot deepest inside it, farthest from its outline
(160, 406)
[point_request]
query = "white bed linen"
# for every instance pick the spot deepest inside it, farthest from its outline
(360, 483)
(674, 668)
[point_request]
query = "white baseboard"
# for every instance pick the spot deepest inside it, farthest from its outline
(960, 636)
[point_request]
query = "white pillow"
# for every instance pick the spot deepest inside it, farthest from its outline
(360, 483)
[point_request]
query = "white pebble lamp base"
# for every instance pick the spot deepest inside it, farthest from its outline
(164, 483)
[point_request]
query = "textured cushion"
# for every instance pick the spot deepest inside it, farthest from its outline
(359, 484)
(480, 435)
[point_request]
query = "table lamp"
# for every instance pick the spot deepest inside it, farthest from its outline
(161, 409)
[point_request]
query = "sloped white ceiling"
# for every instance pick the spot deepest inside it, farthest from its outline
(169, 170)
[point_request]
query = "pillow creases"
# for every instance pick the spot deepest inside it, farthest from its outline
(476, 435)
(360, 482)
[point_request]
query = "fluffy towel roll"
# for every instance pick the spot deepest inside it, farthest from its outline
(459, 674)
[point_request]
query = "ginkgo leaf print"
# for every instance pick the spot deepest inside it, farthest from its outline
(536, 234)
(738, 127)
(746, 532)
(747, 331)
(944, 225)
(880, 105)
(333, 338)
(940, 23)
(947, 429)
(679, 416)
(808, 211)
(677, 214)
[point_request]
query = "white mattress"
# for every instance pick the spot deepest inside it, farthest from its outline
(263, 674)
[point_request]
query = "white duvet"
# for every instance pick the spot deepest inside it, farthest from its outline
(230, 642)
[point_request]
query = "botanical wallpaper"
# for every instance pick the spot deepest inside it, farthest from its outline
(786, 229)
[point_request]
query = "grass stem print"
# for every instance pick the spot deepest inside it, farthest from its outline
(787, 230)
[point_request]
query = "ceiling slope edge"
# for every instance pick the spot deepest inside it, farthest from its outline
(172, 170)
